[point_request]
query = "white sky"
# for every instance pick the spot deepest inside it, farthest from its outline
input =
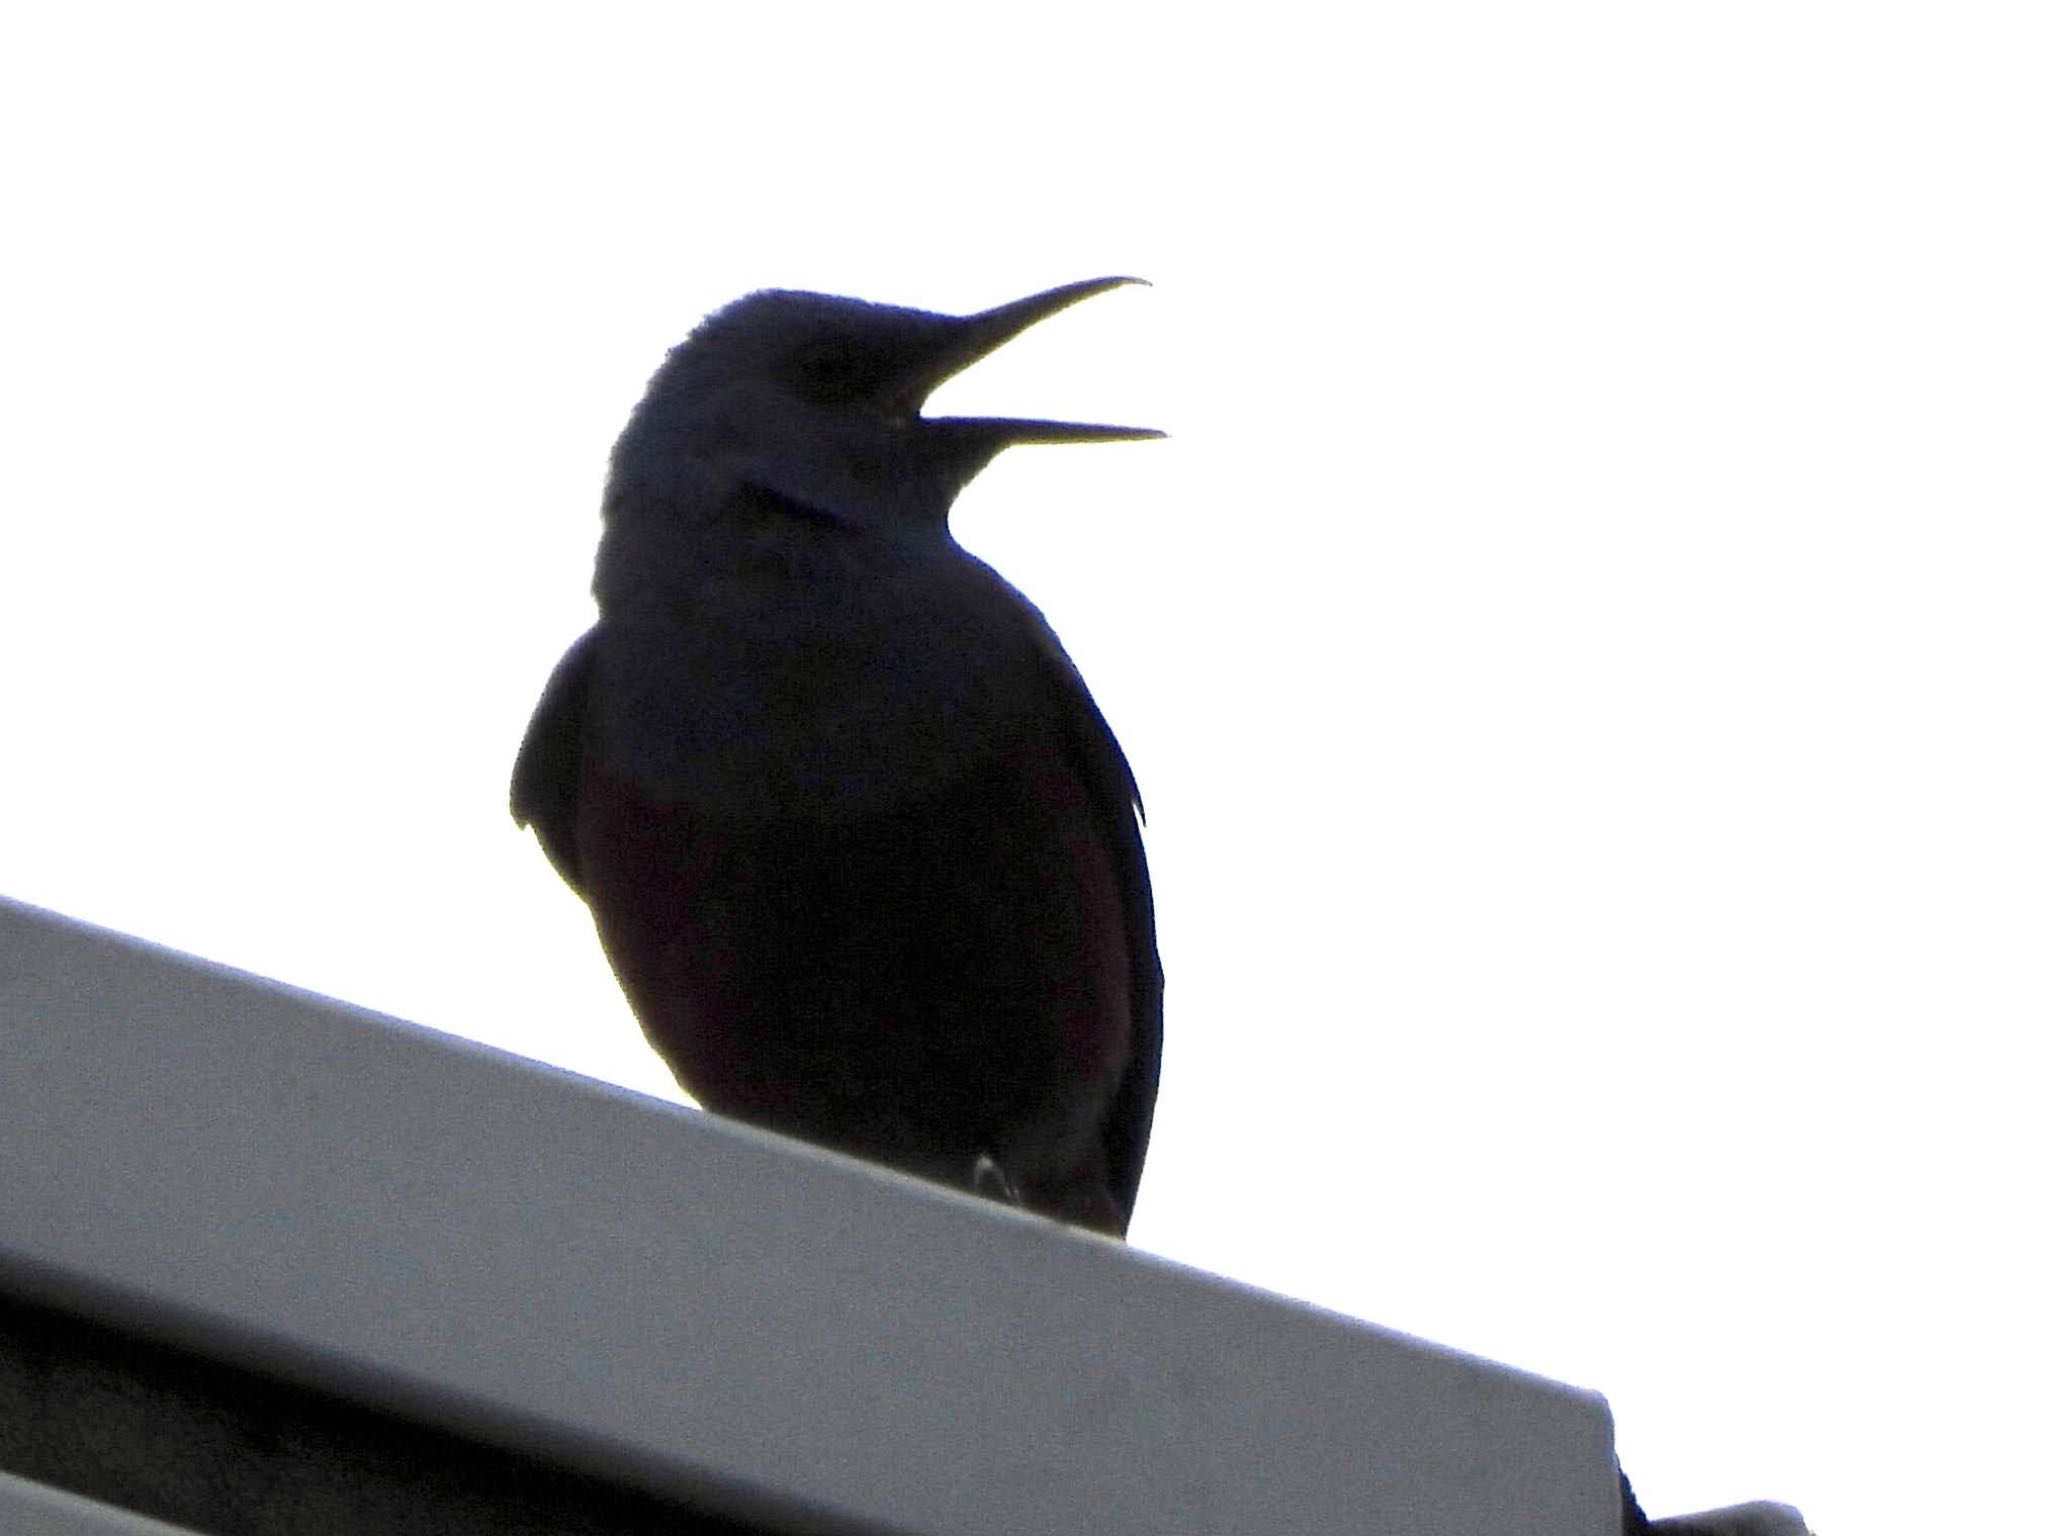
(1583, 646)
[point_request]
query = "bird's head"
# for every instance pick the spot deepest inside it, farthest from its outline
(817, 399)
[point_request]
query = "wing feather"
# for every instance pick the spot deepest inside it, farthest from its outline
(547, 773)
(1114, 790)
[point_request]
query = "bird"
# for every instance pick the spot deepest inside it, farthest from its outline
(861, 849)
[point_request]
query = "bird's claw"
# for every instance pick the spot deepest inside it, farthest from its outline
(990, 1181)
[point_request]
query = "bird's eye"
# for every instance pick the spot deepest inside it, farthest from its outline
(828, 371)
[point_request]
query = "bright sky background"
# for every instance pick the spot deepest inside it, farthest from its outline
(1583, 645)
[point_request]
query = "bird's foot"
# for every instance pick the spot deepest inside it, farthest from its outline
(990, 1182)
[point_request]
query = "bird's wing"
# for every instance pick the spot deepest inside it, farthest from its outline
(1114, 791)
(550, 763)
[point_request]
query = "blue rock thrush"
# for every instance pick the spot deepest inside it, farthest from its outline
(859, 845)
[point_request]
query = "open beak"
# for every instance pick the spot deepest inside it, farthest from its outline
(973, 337)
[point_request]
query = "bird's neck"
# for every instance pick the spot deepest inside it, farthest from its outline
(759, 657)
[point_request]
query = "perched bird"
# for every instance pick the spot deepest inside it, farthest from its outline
(859, 845)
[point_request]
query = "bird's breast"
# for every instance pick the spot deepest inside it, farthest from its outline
(946, 978)
(807, 678)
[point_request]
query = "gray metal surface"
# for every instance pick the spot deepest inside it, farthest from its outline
(562, 1267)
(30, 1509)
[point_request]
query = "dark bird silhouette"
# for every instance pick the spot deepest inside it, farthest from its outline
(860, 847)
